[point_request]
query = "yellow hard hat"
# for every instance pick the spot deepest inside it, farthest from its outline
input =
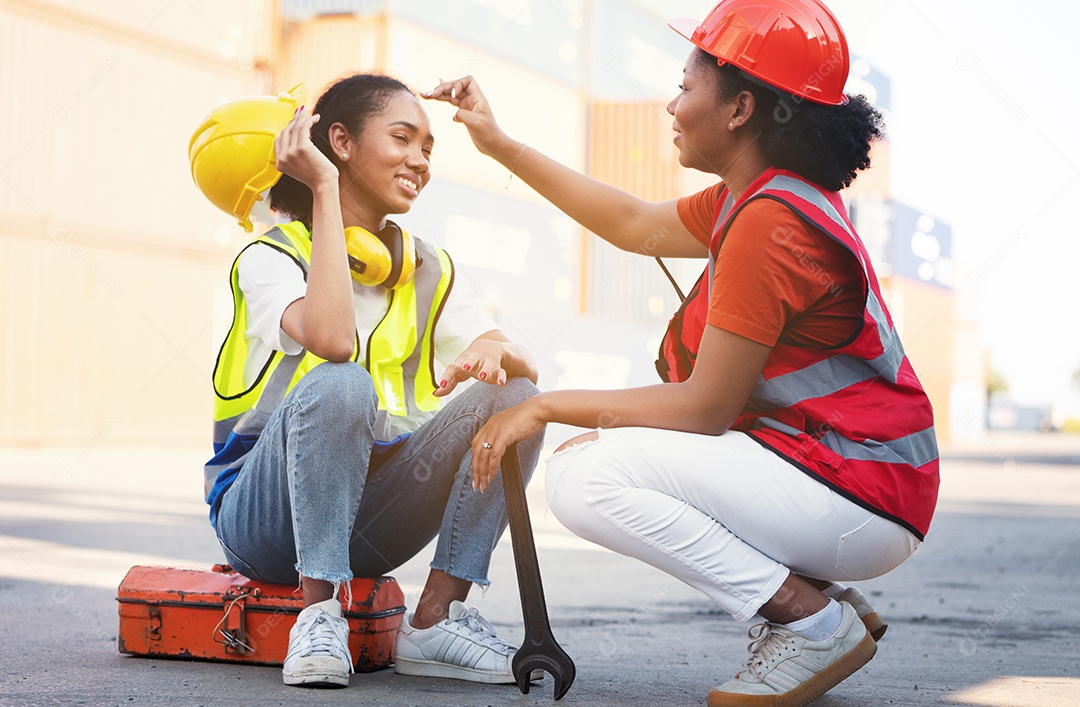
(232, 152)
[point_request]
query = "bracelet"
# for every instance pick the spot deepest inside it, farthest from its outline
(514, 166)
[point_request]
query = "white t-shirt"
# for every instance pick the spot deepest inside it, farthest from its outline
(271, 281)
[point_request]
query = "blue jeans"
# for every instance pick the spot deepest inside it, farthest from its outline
(310, 500)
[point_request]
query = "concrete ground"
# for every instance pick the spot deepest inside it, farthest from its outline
(987, 612)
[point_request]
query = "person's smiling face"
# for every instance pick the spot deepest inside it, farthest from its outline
(391, 163)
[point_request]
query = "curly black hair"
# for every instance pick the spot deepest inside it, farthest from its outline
(351, 101)
(827, 145)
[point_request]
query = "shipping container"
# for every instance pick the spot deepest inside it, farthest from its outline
(630, 148)
(114, 266)
(237, 31)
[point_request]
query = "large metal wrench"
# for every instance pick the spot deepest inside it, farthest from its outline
(539, 650)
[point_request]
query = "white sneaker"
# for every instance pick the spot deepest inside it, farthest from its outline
(786, 669)
(873, 622)
(319, 648)
(462, 646)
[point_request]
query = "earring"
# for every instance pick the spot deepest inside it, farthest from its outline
(731, 126)
(344, 155)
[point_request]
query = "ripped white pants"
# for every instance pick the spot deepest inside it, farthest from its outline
(721, 513)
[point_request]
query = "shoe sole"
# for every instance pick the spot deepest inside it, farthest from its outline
(841, 669)
(316, 680)
(433, 669)
(875, 625)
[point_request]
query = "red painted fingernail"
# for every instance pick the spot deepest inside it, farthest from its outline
(483, 376)
(466, 367)
(442, 384)
(502, 381)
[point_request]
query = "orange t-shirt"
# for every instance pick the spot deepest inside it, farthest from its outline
(778, 279)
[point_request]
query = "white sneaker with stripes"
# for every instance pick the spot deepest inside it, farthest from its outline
(462, 646)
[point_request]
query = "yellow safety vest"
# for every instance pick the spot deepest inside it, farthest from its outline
(400, 353)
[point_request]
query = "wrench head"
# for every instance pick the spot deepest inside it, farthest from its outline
(552, 660)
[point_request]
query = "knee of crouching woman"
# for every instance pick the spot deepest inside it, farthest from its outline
(568, 481)
(346, 385)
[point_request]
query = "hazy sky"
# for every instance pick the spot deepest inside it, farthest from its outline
(984, 100)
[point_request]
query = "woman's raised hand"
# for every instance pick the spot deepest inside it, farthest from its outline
(474, 113)
(297, 155)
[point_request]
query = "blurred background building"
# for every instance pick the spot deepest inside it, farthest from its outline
(114, 281)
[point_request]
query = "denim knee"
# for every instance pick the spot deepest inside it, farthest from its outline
(344, 387)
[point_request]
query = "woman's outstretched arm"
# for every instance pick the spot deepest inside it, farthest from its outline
(622, 219)
(726, 371)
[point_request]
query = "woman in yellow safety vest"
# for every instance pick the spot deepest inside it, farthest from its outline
(791, 447)
(333, 456)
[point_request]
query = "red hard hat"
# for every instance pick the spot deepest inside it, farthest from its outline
(794, 45)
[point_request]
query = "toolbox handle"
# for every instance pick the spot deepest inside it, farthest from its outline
(235, 640)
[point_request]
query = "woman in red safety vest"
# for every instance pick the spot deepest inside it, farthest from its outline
(791, 447)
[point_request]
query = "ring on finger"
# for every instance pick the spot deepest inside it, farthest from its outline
(486, 445)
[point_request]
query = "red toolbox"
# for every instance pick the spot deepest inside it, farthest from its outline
(218, 614)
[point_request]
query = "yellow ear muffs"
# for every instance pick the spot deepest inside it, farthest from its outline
(388, 259)
(402, 254)
(369, 259)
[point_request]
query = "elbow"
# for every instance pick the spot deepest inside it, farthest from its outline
(721, 420)
(708, 415)
(341, 356)
(712, 426)
(335, 351)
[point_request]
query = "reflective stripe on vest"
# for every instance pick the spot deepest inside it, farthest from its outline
(399, 352)
(404, 372)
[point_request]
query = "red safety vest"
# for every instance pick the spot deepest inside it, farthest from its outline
(855, 416)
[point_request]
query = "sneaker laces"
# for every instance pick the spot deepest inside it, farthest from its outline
(768, 644)
(319, 634)
(485, 632)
